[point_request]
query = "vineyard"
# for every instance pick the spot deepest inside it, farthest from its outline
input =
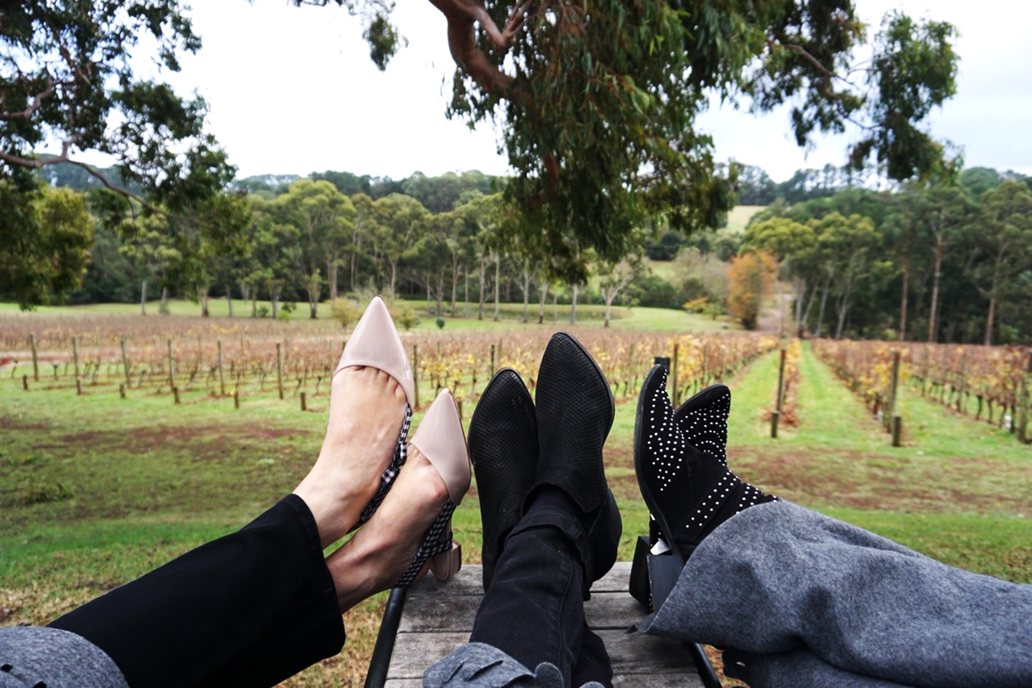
(993, 380)
(175, 357)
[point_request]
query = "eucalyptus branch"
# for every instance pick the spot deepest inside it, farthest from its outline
(37, 101)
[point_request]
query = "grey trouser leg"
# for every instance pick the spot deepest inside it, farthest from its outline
(777, 578)
(32, 656)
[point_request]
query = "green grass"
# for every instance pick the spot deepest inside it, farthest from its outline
(740, 215)
(510, 315)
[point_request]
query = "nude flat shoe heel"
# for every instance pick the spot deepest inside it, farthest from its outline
(374, 343)
(441, 440)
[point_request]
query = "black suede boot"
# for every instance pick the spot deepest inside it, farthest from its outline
(503, 446)
(575, 412)
(687, 491)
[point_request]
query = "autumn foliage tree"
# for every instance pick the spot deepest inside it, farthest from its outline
(751, 276)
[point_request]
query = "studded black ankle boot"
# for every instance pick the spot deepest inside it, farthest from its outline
(689, 492)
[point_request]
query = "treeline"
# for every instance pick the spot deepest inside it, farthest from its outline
(939, 264)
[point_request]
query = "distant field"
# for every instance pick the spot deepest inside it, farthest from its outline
(740, 215)
(511, 315)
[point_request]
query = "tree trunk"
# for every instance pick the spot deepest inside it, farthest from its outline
(843, 310)
(483, 276)
(254, 302)
(989, 321)
(454, 286)
(331, 277)
(903, 301)
(526, 295)
(229, 302)
(800, 290)
(275, 303)
(820, 313)
(204, 302)
(608, 295)
(781, 310)
(575, 288)
(440, 292)
(465, 293)
(143, 298)
(164, 301)
(541, 306)
(555, 306)
(313, 298)
(394, 274)
(497, 284)
(934, 311)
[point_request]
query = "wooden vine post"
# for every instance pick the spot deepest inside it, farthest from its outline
(1023, 400)
(222, 376)
(775, 417)
(279, 368)
(125, 364)
(75, 355)
(893, 421)
(35, 358)
(171, 366)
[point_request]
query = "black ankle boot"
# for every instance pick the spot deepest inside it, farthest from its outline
(687, 491)
(503, 446)
(703, 420)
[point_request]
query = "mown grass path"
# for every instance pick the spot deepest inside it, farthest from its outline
(957, 490)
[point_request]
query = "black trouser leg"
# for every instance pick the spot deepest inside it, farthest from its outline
(534, 610)
(250, 609)
(593, 664)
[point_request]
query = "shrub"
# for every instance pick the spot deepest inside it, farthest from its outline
(406, 317)
(440, 323)
(345, 311)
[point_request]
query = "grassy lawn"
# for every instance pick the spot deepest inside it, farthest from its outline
(98, 490)
(510, 315)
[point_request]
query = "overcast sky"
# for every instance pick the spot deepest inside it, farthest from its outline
(292, 90)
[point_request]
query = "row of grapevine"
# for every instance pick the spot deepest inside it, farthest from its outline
(246, 360)
(985, 382)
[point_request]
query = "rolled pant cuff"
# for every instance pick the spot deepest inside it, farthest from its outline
(478, 665)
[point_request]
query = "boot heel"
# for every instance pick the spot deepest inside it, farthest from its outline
(447, 564)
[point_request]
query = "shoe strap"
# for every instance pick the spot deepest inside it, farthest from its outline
(432, 545)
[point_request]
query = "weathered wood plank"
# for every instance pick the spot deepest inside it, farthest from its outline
(437, 613)
(631, 653)
(468, 581)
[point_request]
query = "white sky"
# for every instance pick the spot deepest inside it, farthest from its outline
(292, 90)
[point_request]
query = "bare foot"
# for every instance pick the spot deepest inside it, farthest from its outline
(383, 549)
(367, 409)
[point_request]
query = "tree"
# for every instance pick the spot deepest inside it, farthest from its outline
(45, 240)
(401, 222)
(67, 76)
(848, 246)
(325, 220)
(1005, 240)
(792, 245)
(751, 275)
(149, 246)
(614, 277)
(559, 75)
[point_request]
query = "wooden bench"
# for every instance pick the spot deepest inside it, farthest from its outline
(433, 618)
